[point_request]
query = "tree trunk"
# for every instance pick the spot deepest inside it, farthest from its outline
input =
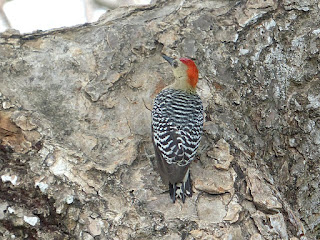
(76, 154)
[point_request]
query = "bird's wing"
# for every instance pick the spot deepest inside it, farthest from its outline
(176, 132)
(176, 147)
(170, 173)
(177, 142)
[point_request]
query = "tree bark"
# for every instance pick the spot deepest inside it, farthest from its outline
(75, 146)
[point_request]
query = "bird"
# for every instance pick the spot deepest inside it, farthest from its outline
(177, 126)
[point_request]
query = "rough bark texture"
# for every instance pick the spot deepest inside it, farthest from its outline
(76, 154)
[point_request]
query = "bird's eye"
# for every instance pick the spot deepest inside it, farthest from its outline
(175, 64)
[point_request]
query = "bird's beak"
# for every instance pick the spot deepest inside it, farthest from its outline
(170, 60)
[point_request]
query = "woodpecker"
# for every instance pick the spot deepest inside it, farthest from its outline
(177, 124)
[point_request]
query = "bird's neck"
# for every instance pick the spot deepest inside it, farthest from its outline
(183, 84)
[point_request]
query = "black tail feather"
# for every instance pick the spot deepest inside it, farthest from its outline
(172, 191)
(181, 190)
(188, 186)
(183, 193)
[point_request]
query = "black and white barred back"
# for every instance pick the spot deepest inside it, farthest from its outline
(177, 123)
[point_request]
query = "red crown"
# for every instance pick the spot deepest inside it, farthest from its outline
(192, 71)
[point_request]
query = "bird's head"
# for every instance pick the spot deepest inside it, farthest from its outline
(185, 72)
